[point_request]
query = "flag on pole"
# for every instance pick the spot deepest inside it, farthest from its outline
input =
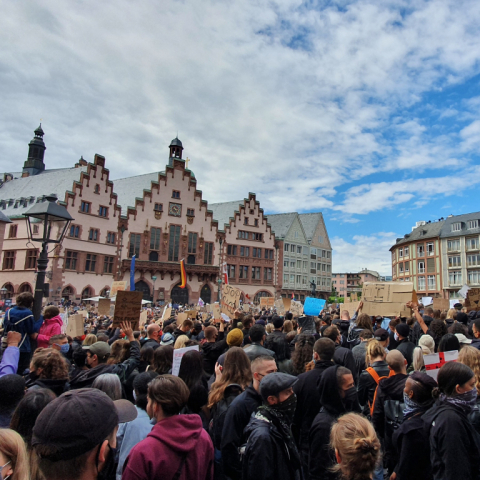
(132, 274)
(201, 303)
(183, 274)
(293, 296)
(225, 274)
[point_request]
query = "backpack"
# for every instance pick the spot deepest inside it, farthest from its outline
(215, 426)
(377, 379)
(393, 416)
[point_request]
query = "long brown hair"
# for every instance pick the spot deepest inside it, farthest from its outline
(13, 448)
(303, 353)
(470, 357)
(236, 369)
(119, 352)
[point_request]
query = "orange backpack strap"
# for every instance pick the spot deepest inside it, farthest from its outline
(374, 374)
(377, 379)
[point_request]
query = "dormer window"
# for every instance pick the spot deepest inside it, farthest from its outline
(456, 227)
(472, 224)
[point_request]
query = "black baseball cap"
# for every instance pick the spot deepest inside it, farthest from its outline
(79, 420)
(275, 383)
(380, 334)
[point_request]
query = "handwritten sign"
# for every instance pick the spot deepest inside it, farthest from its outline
(167, 313)
(75, 326)
(267, 302)
(181, 317)
(441, 304)
(472, 301)
(313, 306)
(104, 306)
(127, 308)
(143, 319)
(230, 300)
(296, 308)
(191, 314)
(177, 357)
(117, 287)
(279, 306)
(216, 312)
(287, 302)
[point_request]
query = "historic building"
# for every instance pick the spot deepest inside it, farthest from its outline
(344, 284)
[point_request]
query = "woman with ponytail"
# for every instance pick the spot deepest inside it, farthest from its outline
(356, 446)
(454, 443)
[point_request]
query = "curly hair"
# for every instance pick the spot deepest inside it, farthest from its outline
(438, 328)
(236, 369)
(364, 321)
(119, 352)
(303, 352)
(470, 357)
(49, 363)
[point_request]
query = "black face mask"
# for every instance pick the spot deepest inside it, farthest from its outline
(287, 408)
(351, 399)
(110, 467)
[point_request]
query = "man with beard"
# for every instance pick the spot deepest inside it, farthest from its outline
(338, 396)
(74, 436)
(271, 452)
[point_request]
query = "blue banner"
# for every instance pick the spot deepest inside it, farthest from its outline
(313, 306)
(132, 275)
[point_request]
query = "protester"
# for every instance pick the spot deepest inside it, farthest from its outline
(153, 335)
(277, 340)
(448, 343)
(177, 446)
(270, 451)
(75, 435)
(303, 353)
(184, 329)
(470, 357)
(181, 342)
(146, 358)
(109, 383)
(163, 359)
(90, 339)
(11, 354)
(356, 446)
(362, 322)
(52, 325)
(427, 344)
(405, 346)
(418, 365)
(454, 443)
(338, 396)
(167, 339)
(48, 369)
(12, 390)
(215, 345)
(410, 440)
(13, 456)
(256, 347)
(359, 351)
(342, 356)
(238, 416)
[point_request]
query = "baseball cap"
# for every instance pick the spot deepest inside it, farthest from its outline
(380, 334)
(462, 338)
(167, 339)
(275, 383)
(79, 420)
(403, 329)
(101, 349)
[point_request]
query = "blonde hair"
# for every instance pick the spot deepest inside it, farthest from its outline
(470, 357)
(374, 349)
(181, 341)
(417, 361)
(90, 339)
(451, 314)
(287, 326)
(13, 449)
(269, 328)
(356, 443)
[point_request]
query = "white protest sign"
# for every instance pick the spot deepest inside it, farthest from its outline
(426, 301)
(177, 358)
(435, 361)
(453, 302)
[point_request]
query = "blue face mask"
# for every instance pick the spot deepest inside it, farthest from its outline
(65, 348)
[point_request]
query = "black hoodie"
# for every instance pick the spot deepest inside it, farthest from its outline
(322, 457)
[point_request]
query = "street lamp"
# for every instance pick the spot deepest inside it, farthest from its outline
(107, 294)
(50, 214)
(154, 278)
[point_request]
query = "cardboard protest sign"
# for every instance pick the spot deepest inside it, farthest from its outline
(230, 300)
(191, 314)
(279, 306)
(117, 287)
(84, 313)
(472, 302)
(167, 313)
(353, 297)
(296, 308)
(286, 303)
(216, 312)
(204, 317)
(104, 306)
(246, 308)
(62, 310)
(75, 326)
(127, 308)
(177, 358)
(181, 317)
(435, 361)
(441, 304)
(267, 302)
(143, 319)
(351, 307)
(387, 299)
(313, 306)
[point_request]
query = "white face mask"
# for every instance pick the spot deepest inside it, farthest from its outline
(134, 396)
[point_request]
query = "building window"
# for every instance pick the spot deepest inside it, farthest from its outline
(406, 252)
(243, 270)
(293, 248)
(175, 194)
(304, 280)
(71, 260)
(453, 245)
(286, 262)
(74, 231)
(455, 277)
(431, 282)
(96, 189)
(242, 234)
(474, 277)
(9, 260)
(299, 249)
(306, 251)
(134, 249)
(285, 278)
(255, 273)
(292, 279)
(430, 249)
(292, 263)
(35, 229)
(421, 267)
(190, 212)
(158, 207)
(12, 233)
(421, 283)
(420, 249)
(473, 260)
(85, 207)
(320, 239)
(90, 262)
(108, 264)
(155, 234)
(174, 243)
(208, 256)
(192, 242)
(329, 268)
(244, 251)
(286, 247)
(454, 261)
(231, 250)
(31, 259)
(255, 222)
(407, 267)
(245, 221)
(472, 224)
(400, 252)
(456, 227)
(267, 273)
(111, 238)
(400, 267)
(102, 211)
(231, 271)
(472, 243)
(93, 235)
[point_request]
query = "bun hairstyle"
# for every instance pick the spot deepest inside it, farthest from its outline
(451, 375)
(374, 350)
(357, 444)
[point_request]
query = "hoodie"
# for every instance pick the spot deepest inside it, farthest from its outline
(49, 328)
(175, 443)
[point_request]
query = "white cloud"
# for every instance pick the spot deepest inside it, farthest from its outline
(364, 251)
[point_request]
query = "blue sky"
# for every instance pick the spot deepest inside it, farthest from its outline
(368, 111)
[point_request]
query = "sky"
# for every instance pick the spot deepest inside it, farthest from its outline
(368, 111)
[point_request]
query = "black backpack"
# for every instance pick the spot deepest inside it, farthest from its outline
(393, 416)
(215, 426)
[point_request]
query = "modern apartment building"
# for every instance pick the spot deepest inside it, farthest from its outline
(347, 283)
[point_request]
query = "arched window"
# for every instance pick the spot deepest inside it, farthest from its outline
(67, 293)
(87, 293)
(142, 286)
(153, 256)
(206, 294)
(10, 290)
(179, 295)
(25, 287)
(260, 294)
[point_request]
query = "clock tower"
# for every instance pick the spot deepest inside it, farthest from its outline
(175, 150)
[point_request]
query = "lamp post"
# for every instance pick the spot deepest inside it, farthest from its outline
(50, 214)
(220, 241)
(154, 278)
(107, 294)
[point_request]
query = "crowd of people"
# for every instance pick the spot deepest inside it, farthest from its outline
(259, 397)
